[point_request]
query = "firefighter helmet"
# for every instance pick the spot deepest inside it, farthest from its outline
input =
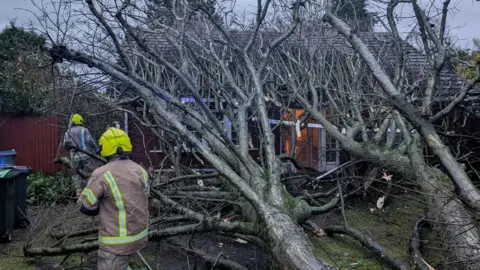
(112, 141)
(77, 119)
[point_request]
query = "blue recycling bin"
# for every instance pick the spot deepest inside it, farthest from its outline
(7, 158)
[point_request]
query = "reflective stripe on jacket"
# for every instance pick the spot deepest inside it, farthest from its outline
(120, 189)
(80, 137)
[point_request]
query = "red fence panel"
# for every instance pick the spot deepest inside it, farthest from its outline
(35, 139)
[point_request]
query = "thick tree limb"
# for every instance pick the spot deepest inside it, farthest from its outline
(370, 244)
(189, 177)
(392, 159)
(79, 248)
(459, 98)
(415, 246)
(92, 155)
(66, 162)
(123, 56)
(453, 221)
(307, 196)
(60, 235)
(325, 208)
(241, 227)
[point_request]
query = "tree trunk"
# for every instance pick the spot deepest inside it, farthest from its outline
(466, 189)
(289, 244)
(451, 219)
(454, 222)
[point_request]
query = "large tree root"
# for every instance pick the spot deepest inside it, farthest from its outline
(370, 244)
(415, 245)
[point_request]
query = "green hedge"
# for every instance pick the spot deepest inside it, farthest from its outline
(44, 189)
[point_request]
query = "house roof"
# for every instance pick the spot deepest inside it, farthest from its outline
(380, 44)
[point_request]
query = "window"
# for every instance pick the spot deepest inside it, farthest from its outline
(331, 149)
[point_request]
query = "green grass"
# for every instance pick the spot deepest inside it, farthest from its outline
(14, 261)
(11, 258)
(390, 227)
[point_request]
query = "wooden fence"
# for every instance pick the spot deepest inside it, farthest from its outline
(35, 139)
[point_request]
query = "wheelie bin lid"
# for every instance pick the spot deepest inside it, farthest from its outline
(12, 171)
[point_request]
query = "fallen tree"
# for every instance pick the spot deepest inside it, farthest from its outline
(377, 111)
(199, 81)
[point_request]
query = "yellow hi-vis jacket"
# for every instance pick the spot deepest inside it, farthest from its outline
(119, 190)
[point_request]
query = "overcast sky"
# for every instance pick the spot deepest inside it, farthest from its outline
(464, 23)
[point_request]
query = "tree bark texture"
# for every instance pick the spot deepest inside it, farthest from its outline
(416, 245)
(289, 244)
(450, 217)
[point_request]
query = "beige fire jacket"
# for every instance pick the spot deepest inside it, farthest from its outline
(119, 190)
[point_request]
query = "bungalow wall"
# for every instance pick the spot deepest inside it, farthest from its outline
(315, 149)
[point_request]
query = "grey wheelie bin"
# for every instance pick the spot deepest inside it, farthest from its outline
(13, 199)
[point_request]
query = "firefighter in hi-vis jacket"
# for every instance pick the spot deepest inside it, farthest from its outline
(118, 193)
(78, 137)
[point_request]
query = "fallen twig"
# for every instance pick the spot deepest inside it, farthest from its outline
(144, 261)
(60, 235)
(92, 155)
(188, 177)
